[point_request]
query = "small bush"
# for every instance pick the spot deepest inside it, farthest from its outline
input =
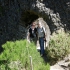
(16, 56)
(59, 47)
(42, 67)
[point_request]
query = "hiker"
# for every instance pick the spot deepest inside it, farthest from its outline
(41, 36)
(32, 33)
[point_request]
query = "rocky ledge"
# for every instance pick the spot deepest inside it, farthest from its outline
(62, 65)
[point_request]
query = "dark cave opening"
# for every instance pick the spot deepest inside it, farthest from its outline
(27, 17)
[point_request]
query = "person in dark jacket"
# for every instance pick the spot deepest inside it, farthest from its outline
(32, 33)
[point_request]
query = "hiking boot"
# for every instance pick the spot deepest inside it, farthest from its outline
(41, 55)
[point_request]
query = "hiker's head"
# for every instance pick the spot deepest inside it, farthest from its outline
(33, 24)
(40, 24)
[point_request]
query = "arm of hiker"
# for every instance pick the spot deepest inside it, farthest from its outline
(28, 37)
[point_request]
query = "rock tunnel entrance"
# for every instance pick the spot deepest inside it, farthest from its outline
(27, 17)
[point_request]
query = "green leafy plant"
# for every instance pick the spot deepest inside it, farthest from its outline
(16, 56)
(58, 47)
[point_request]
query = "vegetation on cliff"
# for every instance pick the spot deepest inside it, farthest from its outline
(59, 47)
(17, 55)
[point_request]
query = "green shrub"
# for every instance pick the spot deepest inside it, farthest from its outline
(16, 56)
(42, 67)
(59, 47)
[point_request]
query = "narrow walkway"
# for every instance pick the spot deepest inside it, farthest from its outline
(62, 65)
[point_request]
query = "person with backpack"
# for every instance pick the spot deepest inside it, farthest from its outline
(32, 33)
(41, 37)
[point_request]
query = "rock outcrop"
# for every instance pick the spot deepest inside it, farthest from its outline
(55, 13)
(62, 65)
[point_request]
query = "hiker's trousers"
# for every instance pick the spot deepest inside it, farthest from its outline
(41, 42)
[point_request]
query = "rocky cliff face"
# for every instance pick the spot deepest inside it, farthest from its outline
(56, 13)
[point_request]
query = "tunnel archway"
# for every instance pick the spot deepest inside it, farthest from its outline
(27, 17)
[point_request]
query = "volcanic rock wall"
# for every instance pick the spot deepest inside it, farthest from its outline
(56, 13)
